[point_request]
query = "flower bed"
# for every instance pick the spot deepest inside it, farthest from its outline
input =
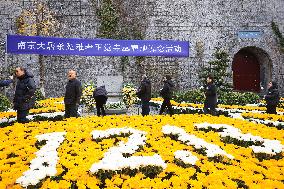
(115, 108)
(181, 151)
(87, 98)
(271, 117)
(185, 107)
(270, 120)
(43, 106)
(129, 94)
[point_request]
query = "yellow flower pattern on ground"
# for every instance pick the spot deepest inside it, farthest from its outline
(78, 152)
(44, 106)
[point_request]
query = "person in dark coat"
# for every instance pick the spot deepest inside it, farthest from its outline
(100, 95)
(210, 97)
(272, 98)
(73, 95)
(24, 98)
(167, 93)
(144, 93)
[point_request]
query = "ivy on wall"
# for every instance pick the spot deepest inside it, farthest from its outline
(109, 19)
(278, 35)
(115, 24)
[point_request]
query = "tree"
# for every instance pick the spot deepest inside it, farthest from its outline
(35, 22)
(218, 69)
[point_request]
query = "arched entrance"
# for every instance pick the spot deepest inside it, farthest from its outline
(251, 70)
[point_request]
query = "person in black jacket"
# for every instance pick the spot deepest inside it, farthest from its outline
(167, 93)
(144, 93)
(72, 96)
(272, 98)
(210, 97)
(100, 95)
(24, 98)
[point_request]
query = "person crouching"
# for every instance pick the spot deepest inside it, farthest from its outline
(100, 95)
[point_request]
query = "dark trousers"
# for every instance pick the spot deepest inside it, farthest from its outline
(71, 110)
(209, 109)
(145, 108)
(166, 103)
(271, 109)
(22, 116)
(100, 101)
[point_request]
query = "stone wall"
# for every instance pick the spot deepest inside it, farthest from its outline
(215, 24)
(205, 24)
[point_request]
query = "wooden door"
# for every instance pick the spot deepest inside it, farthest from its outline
(246, 72)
